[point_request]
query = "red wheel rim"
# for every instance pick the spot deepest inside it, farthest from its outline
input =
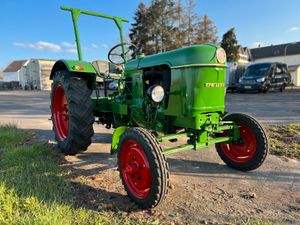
(244, 152)
(135, 169)
(60, 112)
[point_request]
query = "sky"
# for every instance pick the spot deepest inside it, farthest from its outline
(39, 29)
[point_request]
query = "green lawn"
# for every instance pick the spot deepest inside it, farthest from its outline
(34, 189)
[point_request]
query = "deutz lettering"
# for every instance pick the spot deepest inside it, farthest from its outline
(214, 85)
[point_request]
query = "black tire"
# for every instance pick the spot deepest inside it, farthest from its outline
(266, 89)
(77, 137)
(282, 88)
(153, 193)
(251, 129)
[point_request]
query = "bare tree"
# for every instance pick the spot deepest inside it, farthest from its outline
(206, 31)
(167, 25)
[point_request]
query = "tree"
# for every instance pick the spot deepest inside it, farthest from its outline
(206, 31)
(229, 43)
(155, 28)
(139, 33)
(162, 17)
(190, 22)
(179, 26)
(167, 25)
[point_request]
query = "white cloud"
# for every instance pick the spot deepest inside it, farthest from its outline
(94, 45)
(40, 45)
(257, 44)
(18, 44)
(72, 50)
(293, 29)
(69, 47)
(68, 44)
(99, 46)
(43, 45)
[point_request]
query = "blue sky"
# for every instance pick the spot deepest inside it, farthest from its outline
(39, 29)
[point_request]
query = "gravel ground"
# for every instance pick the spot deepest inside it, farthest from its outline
(203, 190)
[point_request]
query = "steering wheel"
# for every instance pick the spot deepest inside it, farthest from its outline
(116, 56)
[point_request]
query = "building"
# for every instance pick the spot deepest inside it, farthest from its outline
(244, 56)
(295, 74)
(14, 71)
(37, 73)
(31, 74)
(1, 74)
(288, 53)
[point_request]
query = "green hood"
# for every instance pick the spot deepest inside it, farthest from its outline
(188, 56)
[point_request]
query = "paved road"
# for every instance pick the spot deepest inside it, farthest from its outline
(271, 108)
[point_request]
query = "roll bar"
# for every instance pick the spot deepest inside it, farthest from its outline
(75, 15)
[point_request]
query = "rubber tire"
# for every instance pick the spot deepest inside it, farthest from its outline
(158, 164)
(282, 88)
(80, 108)
(266, 89)
(261, 140)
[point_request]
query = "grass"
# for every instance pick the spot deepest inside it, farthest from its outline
(34, 189)
(285, 140)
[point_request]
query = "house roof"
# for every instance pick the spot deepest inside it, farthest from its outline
(15, 66)
(275, 50)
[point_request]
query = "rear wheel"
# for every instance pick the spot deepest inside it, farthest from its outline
(143, 167)
(72, 114)
(252, 148)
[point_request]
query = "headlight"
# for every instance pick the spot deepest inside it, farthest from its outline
(240, 80)
(261, 79)
(221, 55)
(157, 93)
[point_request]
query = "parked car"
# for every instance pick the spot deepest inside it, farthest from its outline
(262, 77)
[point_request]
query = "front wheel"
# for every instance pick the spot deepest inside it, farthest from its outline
(252, 148)
(143, 167)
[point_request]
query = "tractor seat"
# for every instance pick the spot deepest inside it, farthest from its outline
(107, 69)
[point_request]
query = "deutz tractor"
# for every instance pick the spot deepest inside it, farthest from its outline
(161, 97)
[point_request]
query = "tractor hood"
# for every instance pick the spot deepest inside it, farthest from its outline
(184, 57)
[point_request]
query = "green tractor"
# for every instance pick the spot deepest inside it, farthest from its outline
(161, 97)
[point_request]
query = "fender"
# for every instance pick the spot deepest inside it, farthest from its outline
(74, 66)
(116, 138)
(81, 68)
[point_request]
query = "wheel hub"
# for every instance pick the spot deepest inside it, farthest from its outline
(135, 169)
(244, 150)
(60, 112)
